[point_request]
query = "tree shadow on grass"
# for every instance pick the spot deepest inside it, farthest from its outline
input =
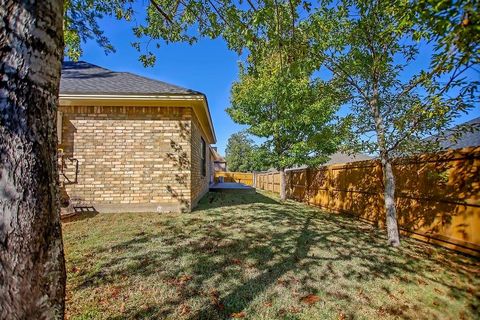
(235, 248)
(220, 199)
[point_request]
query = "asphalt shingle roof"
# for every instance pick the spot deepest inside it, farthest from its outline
(340, 157)
(467, 139)
(85, 78)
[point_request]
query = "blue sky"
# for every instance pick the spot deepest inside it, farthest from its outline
(207, 66)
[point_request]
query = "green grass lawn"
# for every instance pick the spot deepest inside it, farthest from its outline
(248, 256)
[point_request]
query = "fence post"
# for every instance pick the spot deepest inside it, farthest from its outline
(307, 184)
(273, 182)
(329, 186)
(288, 191)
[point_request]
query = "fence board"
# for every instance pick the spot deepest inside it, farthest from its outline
(437, 195)
(241, 177)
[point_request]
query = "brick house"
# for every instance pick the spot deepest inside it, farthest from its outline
(131, 144)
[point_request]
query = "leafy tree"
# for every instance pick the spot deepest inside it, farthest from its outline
(32, 266)
(367, 47)
(454, 28)
(80, 23)
(241, 153)
(280, 104)
(240, 24)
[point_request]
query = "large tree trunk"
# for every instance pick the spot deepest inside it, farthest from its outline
(283, 187)
(32, 267)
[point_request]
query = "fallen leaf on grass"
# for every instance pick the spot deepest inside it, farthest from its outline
(122, 307)
(184, 309)
(236, 261)
(180, 281)
(267, 304)
(115, 291)
(185, 278)
(342, 316)
(294, 310)
(215, 298)
(238, 315)
(282, 282)
(282, 312)
(391, 310)
(310, 299)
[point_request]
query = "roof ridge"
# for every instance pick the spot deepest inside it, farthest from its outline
(88, 63)
(86, 77)
(152, 79)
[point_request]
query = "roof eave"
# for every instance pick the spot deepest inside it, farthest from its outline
(197, 101)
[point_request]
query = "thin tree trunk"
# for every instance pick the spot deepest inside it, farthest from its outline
(389, 196)
(32, 267)
(388, 178)
(283, 191)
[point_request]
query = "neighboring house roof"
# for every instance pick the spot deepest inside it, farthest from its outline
(467, 139)
(83, 83)
(216, 156)
(340, 157)
(86, 78)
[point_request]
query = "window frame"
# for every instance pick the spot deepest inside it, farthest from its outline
(203, 157)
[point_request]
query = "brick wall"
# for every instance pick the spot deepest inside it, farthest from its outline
(130, 158)
(200, 183)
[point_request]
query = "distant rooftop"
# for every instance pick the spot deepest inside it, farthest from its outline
(467, 139)
(338, 158)
(86, 78)
(216, 156)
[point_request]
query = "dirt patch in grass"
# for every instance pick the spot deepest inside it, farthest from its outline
(249, 256)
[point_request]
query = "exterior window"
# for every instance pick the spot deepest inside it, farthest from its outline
(203, 158)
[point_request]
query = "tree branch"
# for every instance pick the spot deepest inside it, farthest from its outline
(159, 9)
(292, 11)
(251, 5)
(347, 76)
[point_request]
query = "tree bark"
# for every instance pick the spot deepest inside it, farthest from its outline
(388, 178)
(389, 196)
(283, 189)
(32, 266)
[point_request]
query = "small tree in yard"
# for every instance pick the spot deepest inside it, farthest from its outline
(280, 104)
(241, 153)
(367, 46)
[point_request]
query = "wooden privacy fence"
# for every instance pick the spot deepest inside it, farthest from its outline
(437, 195)
(242, 177)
